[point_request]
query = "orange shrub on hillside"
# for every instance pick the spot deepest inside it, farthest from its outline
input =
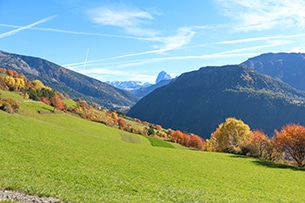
(291, 141)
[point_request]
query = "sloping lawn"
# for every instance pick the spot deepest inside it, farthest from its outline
(76, 160)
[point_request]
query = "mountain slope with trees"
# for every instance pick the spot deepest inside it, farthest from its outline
(68, 81)
(199, 100)
(287, 67)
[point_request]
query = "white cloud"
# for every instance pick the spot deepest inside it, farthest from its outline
(182, 37)
(129, 18)
(134, 21)
(266, 39)
(264, 14)
(119, 16)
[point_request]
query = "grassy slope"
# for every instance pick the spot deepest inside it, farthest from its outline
(81, 161)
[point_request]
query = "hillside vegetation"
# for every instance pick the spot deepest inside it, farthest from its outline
(68, 81)
(64, 156)
(287, 67)
(80, 161)
(199, 101)
(65, 149)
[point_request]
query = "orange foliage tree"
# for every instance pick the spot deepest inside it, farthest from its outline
(45, 100)
(197, 142)
(259, 144)
(176, 136)
(184, 139)
(158, 127)
(121, 123)
(57, 102)
(291, 141)
(12, 73)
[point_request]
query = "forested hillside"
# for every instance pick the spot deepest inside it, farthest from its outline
(199, 100)
(68, 81)
(287, 67)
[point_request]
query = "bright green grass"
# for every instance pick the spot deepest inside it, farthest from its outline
(13, 95)
(81, 161)
(70, 103)
(159, 143)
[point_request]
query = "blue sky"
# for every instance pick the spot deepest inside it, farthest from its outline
(136, 39)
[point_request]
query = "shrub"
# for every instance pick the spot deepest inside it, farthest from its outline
(9, 105)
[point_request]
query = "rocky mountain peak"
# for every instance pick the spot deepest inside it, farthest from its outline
(163, 76)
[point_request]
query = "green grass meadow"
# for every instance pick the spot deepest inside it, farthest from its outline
(61, 155)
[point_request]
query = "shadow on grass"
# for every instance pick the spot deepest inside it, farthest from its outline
(270, 164)
(236, 156)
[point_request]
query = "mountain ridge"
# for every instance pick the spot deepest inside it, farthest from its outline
(68, 81)
(287, 67)
(199, 100)
(141, 89)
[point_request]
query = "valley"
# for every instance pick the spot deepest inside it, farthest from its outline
(82, 152)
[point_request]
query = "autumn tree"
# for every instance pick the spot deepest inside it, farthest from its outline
(196, 142)
(212, 143)
(10, 82)
(259, 144)
(46, 100)
(230, 136)
(22, 76)
(162, 134)
(12, 73)
(19, 83)
(37, 84)
(158, 127)
(184, 139)
(121, 123)
(57, 102)
(3, 85)
(291, 141)
(176, 136)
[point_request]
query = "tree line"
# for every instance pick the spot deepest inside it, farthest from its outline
(234, 136)
(12, 81)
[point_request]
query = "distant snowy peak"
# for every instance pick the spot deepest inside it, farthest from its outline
(142, 88)
(163, 76)
(129, 85)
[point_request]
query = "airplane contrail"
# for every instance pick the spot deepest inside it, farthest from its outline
(85, 63)
(12, 32)
(80, 33)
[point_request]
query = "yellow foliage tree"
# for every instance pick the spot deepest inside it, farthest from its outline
(38, 84)
(10, 82)
(231, 136)
(19, 83)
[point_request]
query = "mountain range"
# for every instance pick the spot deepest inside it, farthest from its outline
(287, 67)
(266, 92)
(68, 81)
(199, 101)
(141, 89)
(131, 86)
